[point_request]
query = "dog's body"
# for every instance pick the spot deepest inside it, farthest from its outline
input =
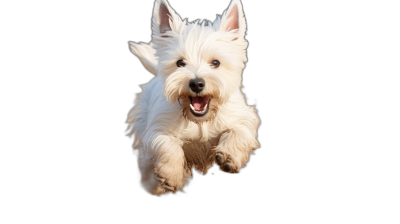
(193, 112)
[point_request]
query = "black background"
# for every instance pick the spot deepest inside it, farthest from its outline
(289, 70)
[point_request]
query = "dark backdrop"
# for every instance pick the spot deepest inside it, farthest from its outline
(285, 77)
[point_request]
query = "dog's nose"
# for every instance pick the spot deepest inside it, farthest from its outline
(197, 85)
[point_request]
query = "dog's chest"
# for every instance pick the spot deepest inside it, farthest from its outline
(199, 141)
(199, 146)
(200, 133)
(200, 154)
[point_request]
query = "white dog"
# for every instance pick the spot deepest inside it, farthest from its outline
(192, 112)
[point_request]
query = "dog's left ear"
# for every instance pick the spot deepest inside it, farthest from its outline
(165, 19)
(233, 19)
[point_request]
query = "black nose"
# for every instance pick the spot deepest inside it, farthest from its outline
(197, 85)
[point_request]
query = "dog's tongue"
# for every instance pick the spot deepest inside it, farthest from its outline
(199, 103)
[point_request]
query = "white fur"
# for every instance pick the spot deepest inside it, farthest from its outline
(165, 137)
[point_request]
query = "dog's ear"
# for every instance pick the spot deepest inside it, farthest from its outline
(165, 19)
(233, 19)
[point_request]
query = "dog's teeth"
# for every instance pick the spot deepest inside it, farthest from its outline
(205, 108)
(198, 112)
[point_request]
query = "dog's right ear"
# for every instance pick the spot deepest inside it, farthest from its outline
(165, 21)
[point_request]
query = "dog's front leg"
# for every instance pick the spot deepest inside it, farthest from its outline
(234, 148)
(168, 162)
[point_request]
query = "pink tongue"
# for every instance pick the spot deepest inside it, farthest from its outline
(199, 103)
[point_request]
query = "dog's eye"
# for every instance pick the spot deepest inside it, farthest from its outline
(215, 64)
(180, 63)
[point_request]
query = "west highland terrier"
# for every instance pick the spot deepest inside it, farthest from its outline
(193, 111)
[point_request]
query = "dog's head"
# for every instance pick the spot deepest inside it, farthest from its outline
(201, 62)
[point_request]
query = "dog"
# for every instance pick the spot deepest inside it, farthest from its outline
(193, 112)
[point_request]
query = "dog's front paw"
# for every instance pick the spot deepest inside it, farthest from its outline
(165, 185)
(170, 178)
(226, 162)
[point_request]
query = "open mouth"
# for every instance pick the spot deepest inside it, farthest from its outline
(199, 105)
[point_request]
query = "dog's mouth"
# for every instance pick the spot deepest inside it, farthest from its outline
(199, 105)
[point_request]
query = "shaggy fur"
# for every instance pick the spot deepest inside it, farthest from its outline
(171, 139)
